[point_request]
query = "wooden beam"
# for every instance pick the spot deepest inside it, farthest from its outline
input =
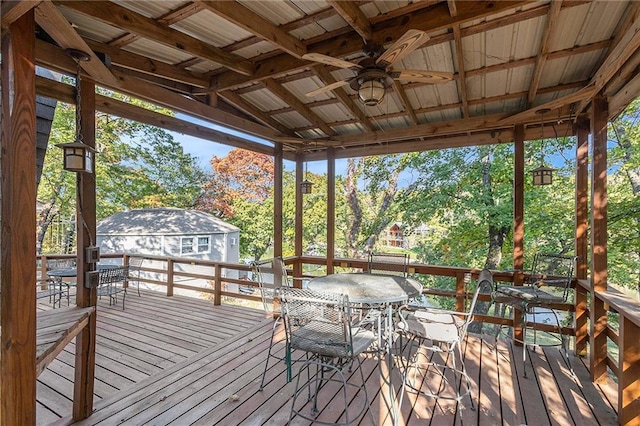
(11, 10)
(85, 357)
(624, 97)
(301, 108)
(180, 13)
(18, 224)
(148, 65)
(133, 22)
(598, 314)
(629, 372)
(397, 86)
(353, 15)
(278, 173)
(299, 213)
(518, 199)
(56, 25)
(250, 21)
(545, 45)
(253, 111)
(582, 233)
(331, 209)
(433, 19)
(324, 74)
(462, 80)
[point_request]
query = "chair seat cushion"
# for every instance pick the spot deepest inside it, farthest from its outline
(433, 325)
(531, 295)
(327, 339)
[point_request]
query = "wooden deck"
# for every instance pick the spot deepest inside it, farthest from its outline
(182, 361)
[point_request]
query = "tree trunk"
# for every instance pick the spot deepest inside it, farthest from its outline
(44, 220)
(355, 218)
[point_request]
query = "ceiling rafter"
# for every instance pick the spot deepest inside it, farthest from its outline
(248, 108)
(462, 80)
(248, 20)
(56, 25)
(324, 74)
(453, 9)
(12, 10)
(434, 18)
(408, 109)
(146, 27)
(545, 46)
(353, 15)
(300, 107)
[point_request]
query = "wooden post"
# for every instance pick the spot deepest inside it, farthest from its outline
(629, 379)
(460, 292)
(217, 292)
(169, 277)
(518, 222)
(299, 224)
(86, 232)
(18, 227)
(598, 314)
(277, 200)
(581, 236)
(331, 208)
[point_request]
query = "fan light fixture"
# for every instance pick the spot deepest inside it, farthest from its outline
(371, 92)
(77, 157)
(542, 175)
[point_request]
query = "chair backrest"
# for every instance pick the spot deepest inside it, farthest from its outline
(325, 317)
(135, 263)
(114, 275)
(270, 274)
(54, 264)
(553, 270)
(484, 285)
(400, 259)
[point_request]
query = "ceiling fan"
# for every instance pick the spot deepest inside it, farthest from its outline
(374, 73)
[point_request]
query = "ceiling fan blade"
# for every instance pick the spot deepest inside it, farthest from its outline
(406, 44)
(433, 77)
(329, 60)
(327, 88)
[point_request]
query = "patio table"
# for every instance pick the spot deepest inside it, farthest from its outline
(379, 292)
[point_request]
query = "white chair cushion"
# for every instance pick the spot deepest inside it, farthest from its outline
(437, 326)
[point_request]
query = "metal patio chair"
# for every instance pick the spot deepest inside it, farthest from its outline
(271, 275)
(53, 289)
(554, 273)
(112, 282)
(53, 264)
(431, 331)
(400, 259)
(322, 326)
(135, 265)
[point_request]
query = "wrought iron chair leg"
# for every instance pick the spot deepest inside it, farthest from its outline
(266, 364)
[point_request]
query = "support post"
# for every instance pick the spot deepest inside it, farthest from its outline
(629, 379)
(331, 208)
(581, 233)
(598, 314)
(277, 200)
(170, 277)
(299, 225)
(18, 224)
(518, 221)
(86, 232)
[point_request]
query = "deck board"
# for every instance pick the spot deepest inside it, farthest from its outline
(139, 383)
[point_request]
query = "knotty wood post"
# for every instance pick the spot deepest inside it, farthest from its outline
(18, 224)
(598, 314)
(629, 367)
(297, 266)
(86, 232)
(169, 277)
(460, 291)
(277, 200)
(518, 222)
(217, 289)
(331, 208)
(581, 233)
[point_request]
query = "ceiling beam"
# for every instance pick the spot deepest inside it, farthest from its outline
(56, 25)
(12, 10)
(545, 46)
(435, 18)
(136, 23)
(324, 74)
(397, 86)
(301, 108)
(248, 108)
(462, 79)
(250, 21)
(353, 15)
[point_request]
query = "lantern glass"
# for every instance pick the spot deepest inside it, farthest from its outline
(371, 92)
(543, 176)
(78, 157)
(306, 187)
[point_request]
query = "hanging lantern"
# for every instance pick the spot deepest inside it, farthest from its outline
(306, 186)
(542, 175)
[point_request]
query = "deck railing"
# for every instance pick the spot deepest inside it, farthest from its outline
(617, 376)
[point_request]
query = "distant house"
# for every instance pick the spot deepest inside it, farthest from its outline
(170, 232)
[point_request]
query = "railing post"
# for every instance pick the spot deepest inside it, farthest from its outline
(581, 234)
(460, 291)
(217, 289)
(170, 277)
(629, 367)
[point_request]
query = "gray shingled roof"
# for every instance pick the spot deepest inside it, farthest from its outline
(163, 221)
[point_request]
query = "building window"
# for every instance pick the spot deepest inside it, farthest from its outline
(186, 245)
(189, 245)
(203, 244)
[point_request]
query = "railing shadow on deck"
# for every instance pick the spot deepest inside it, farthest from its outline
(619, 380)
